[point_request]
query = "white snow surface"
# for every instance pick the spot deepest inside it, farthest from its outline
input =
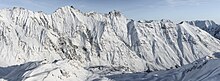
(59, 70)
(204, 69)
(69, 45)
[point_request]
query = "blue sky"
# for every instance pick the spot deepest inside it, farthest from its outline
(175, 10)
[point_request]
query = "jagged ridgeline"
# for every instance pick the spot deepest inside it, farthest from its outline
(100, 40)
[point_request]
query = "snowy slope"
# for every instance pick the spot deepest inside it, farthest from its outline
(98, 41)
(59, 70)
(204, 69)
(207, 25)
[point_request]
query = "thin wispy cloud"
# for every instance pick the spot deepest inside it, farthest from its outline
(185, 2)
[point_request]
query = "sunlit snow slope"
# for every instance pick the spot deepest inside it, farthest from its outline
(204, 69)
(94, 41)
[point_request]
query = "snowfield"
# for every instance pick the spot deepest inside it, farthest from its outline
(204, 69)
(69, 45)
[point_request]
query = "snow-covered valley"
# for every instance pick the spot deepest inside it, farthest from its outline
(69, 45)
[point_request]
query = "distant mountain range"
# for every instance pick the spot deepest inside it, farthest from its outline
(209, 26)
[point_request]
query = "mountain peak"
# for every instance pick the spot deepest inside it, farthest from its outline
(166, 20)
(67, 8)
(115, 12)
(21, 8)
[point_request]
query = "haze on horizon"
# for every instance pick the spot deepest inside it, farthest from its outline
(175, 10)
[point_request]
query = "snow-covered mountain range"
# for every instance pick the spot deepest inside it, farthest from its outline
(69, 45)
